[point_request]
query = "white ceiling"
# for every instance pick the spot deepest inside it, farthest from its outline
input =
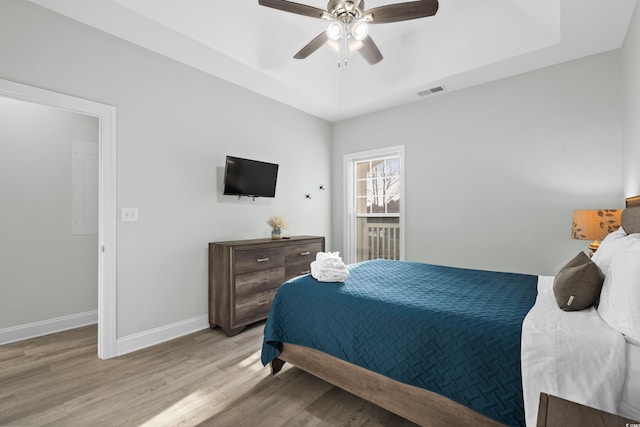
(468, 42)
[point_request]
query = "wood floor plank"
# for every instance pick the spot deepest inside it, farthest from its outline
(11, 353)
(203, 379)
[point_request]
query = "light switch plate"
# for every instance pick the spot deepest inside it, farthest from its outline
(129, 215)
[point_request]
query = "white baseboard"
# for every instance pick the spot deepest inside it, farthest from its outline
(124, 345)
(161, 334)
(46, 327)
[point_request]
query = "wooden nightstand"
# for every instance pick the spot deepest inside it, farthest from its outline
(556, 412)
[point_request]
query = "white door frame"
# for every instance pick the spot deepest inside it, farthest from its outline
(106, 115)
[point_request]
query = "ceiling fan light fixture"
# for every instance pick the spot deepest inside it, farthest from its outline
(348, 23)
(334, 31)
(359, 30)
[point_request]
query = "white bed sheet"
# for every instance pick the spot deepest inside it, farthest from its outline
(629, 405)
(572, 355)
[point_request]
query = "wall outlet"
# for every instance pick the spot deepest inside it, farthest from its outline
(129, 215)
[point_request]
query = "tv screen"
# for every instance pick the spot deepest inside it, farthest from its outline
(244, 177)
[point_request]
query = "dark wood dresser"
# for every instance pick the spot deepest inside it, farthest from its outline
(244, 276)
(556, 412)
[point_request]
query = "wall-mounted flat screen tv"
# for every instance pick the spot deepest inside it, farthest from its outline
(253, 178)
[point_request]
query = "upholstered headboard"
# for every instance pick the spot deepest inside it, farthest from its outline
(631, 215)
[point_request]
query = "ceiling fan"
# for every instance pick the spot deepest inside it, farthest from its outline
(348, 23)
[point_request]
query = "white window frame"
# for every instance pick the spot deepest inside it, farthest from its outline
(350, 211)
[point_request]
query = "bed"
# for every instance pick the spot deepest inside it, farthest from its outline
(591, 356)
(579, 357)
(437, 345)
(471, 349)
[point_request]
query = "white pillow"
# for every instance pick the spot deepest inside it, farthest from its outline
(608, 248)
(620, 296)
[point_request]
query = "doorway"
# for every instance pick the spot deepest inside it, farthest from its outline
(106, 116)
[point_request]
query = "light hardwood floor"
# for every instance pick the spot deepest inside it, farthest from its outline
(204, 379)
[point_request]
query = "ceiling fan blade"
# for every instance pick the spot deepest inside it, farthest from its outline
(403, 11)
(312, 46)
(297, 8)
(370, 51)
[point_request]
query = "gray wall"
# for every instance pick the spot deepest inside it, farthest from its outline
(631, 95)
(46, 271)
(494, 172)
(175, 125)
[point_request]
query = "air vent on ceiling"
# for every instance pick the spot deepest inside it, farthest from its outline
(430, 91)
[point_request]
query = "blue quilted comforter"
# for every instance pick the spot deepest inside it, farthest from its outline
(452, 331)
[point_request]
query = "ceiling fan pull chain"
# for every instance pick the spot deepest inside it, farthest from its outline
(344, 50)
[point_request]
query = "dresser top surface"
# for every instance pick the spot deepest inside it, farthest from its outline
(266, 241)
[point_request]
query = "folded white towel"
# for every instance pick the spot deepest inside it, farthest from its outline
(329, 267)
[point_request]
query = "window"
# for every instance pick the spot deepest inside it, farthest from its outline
(373, 222)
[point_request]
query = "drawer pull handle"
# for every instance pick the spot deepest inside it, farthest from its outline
(305, 272)
(262, 260)
(305, 253)
(263, 302)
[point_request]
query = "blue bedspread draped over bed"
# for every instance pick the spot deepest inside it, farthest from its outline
(453, 331)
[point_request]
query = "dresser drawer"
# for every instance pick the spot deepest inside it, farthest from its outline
(255, 291)
(302, 254)
(299, 259)
(258, 259)
(255, 305)
(295, 270)
(250, 283)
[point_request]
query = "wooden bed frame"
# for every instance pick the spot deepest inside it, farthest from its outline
(413, 403)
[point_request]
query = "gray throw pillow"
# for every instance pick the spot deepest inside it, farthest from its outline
(578, 284)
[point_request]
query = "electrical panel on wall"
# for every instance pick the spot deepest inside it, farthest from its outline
(84, 179)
